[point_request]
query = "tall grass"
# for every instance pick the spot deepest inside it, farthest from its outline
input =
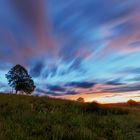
(42, 118)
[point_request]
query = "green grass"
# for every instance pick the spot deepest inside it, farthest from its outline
(42, 118)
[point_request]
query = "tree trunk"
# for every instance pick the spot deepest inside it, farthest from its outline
(12, 91)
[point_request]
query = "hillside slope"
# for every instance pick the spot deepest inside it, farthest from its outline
(42, 118)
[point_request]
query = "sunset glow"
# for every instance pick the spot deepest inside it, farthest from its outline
(106, 97)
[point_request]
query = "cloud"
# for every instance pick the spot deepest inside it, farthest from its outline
(81, 84)
(135, 79)
(114, 82)
(131, 70)
(26, 31)
(67, 45)
(2, 85)
(123, 89)
(43, 92)
(36, 69)
(80, 21)
(71, 92)
(114, 95)
(56, 88)
(135, 44)
(39, 91)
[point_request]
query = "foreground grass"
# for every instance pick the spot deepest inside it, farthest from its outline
(41, 118)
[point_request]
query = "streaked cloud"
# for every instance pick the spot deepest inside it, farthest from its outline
(72, 47)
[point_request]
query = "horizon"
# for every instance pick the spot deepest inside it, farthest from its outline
(88, 49)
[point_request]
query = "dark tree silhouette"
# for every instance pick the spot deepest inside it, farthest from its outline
(80, 99)
(19, 79)
(132, 103)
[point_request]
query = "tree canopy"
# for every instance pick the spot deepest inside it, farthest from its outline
(19, 79)
(80, 99)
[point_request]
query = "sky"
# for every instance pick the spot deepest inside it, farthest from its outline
(82, 48)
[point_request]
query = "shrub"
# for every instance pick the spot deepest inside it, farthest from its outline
(90, 107)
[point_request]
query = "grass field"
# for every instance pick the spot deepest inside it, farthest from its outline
(42, 118)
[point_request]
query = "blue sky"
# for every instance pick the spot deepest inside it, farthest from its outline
(73, 48)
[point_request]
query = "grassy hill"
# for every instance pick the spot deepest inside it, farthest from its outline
(42, 118)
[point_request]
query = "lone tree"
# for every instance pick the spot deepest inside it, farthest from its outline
(132, 103)
(19, 79)
(80, 99)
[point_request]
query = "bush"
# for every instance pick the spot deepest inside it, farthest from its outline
(90, 107)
